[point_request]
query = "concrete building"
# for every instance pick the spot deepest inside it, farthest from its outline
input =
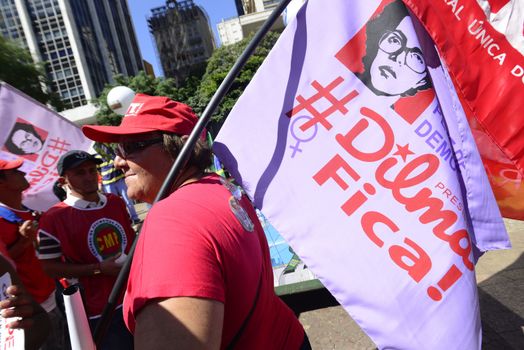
(240, 7)
(183, 36)
(254, 13)
(83, 42)
(81, 115)
(252, 6)
(148, 68)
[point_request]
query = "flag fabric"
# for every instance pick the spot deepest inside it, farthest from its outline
(363, 160)
(10, 339)
(40, 136)
(484, 54)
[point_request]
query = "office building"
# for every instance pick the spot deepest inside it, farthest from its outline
(84, 43)
(254, 13)
(240, 7)
(183, 36)
(148, 69)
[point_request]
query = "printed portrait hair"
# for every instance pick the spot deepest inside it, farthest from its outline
(11, 146)
(388, 19)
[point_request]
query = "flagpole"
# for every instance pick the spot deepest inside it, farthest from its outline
(182, 159)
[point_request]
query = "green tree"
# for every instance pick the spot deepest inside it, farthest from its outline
(142, 83)
(19, 71)
(217, 69)
(196, 91)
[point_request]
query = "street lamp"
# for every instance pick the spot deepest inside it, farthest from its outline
(119, 98)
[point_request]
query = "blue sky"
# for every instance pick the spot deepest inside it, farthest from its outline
(140, 10)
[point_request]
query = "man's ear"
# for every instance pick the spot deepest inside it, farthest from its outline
(62, 181)
(184, 138)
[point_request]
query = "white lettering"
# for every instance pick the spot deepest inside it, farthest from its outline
(500, 58)
(518, 71)
(453, 4)
(490, 52)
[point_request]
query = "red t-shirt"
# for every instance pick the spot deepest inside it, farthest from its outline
(88, 236)
(29, 268)
(202, 242)
(5, 254)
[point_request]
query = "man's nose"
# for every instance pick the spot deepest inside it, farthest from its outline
(120, 163)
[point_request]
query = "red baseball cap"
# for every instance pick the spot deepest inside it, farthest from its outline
(145, 114)
(9, 165)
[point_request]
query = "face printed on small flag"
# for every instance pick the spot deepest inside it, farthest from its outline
(39, 135)
(387, 204)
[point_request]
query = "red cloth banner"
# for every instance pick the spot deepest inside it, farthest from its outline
(481, 43)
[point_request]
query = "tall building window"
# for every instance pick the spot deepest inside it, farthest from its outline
(96, 33)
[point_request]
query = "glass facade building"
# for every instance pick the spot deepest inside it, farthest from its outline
(83, 43)
(10, 24)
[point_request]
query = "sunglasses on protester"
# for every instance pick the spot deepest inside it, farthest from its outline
(125, 149)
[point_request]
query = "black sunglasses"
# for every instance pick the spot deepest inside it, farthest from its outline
(125, 149)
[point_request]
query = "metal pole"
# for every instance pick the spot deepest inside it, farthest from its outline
(182, 159)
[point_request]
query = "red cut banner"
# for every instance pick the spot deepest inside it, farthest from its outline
(488, 72)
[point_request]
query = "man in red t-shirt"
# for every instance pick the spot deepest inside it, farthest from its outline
(201, 276)
(84, 237)
(18, 228)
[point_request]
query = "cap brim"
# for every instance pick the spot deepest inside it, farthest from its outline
(14, 164)
(97, 161)
(111, 134)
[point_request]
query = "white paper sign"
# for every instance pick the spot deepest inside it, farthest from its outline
(10, 339)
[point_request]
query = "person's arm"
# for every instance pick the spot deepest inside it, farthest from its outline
(180, 323)
(56, 268)
(34, 319)
(27, 236)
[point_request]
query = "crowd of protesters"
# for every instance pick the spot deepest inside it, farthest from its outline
(82, 239)
(201, 276)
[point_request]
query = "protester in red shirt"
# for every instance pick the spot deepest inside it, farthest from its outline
(201, 276)
(18, 228)
(84, 236)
